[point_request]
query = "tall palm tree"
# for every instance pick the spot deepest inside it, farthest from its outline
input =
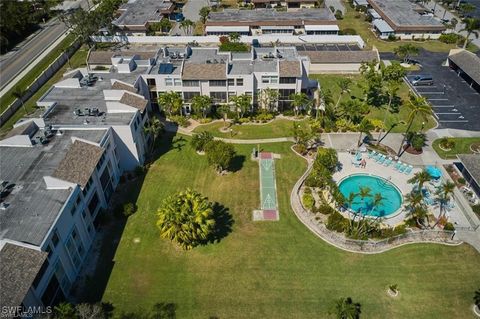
(171, 102)
(364, 192)
(299, 100)
(155, 128)
(416, 208)
(420, 178)
(325, 99)
(187, 25)
(378, 199)
(472, 25)
(418, 106)
(350, 200)
(443, 195)
(19, 93)
(344, 85)
(353, 110)
(186, 218)
(365, 127)
(345, 308)
(242, 103)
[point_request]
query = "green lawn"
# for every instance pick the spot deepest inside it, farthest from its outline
(462, 146)
(273, 269)
(78, 59)
(277, 128)
(329, 82)
(363, 28)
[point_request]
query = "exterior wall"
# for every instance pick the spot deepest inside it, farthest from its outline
(416, 35)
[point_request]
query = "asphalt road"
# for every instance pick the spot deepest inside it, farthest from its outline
(16, 60)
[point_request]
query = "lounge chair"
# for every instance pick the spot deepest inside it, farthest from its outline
(388, 162)
(403, 168)
(382, 160)
(397, 165)
(371, 154)
(408, 170)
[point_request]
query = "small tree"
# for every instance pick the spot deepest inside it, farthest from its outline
(472, 25)
(345, 308)
(186, 218)
(344, 85)
(165, 25)
(393, 288)
(201, 103)
(242, 104)
(204, 12)
(220, 155)
(155, 129)
(365, 127)
(64, 310)
(299, 101)
(268, 99)
(234, 37)
(199, 141)
(171, 102)
(406, 51)
(129, 209)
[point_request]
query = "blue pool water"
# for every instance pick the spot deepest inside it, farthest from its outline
(391, 203)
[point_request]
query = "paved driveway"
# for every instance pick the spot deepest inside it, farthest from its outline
(190, 11)
(455, 103)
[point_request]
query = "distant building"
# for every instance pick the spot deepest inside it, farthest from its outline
(467, 65)
(404, 19)
(469, 165)
(322, 62)
(271, 21)
(289, 4)
(135, 16)
(222, 75)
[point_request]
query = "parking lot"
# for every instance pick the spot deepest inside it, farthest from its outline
(455, 103)
(321, 47)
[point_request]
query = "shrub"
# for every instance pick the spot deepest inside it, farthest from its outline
(139, 170)
(308, 201)
(392, 38)
(336, 222)
(234, 47)
(199, 141)
(129, 209)
(180, 120)
(461, 180)
(339, 15)
(300, 148)
(393, 288)
(476, 209)
(449, 226)
(348, 31)
(243, 120)
(451, 38)
(220, 154)
(264, 117)
(326, 157)
(326, 209)
(447, 143)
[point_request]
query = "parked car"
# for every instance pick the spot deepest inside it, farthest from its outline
(421, 79)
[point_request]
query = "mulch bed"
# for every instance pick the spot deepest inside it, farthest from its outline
(410, 150)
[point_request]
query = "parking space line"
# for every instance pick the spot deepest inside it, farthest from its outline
(430, 92)
(438, 99)
(443, 105)
(455, 113)
(454, 121)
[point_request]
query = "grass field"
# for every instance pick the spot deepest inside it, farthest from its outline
(363, 28)
(329, 82)
(462, 146)
(277, 128)
(78, 59)
(277, 269)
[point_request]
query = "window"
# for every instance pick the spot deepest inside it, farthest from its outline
(151, 82)
(55, 238)
(231, 82)
(188, 96)
(178, 82)
(218, 97)
(191, 83)
(168, 82)
(269, 79)
(87, 187)
(92, 205)
(217, 82)
(239, 82)
(288, 80)
(284, 94)
(231, 94)
(49, 251)
(40, 274)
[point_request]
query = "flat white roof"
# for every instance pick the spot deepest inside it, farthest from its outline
(322, 28)
(382, 26)
(214, 28)
(361, 2)
(374, 14)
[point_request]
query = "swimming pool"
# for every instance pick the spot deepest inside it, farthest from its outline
(392, 197)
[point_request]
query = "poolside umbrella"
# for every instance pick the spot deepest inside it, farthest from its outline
(434, 172)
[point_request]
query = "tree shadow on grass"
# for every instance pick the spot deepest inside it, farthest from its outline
(223, 224)
(237, 163)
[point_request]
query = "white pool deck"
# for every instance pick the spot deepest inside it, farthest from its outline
(399, 180)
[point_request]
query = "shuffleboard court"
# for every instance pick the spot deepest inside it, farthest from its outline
(268, 191)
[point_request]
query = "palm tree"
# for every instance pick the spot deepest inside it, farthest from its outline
(19, 93)
(325, 99)
(353, 110)
(350, 200)
(155, 128)
(364, 192)
(377, 201)
(201, 103)
(417, 106)
(472, 25)
(364, 127)
(186, 218)
(187, 25)
(64, 310)
(443, 195)
(223, 110)
(345, 308)
(299, 100)
(234, 37)
(242, 103)
(420, 178)
(344, 85)
(416, 208)
(171, 102)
